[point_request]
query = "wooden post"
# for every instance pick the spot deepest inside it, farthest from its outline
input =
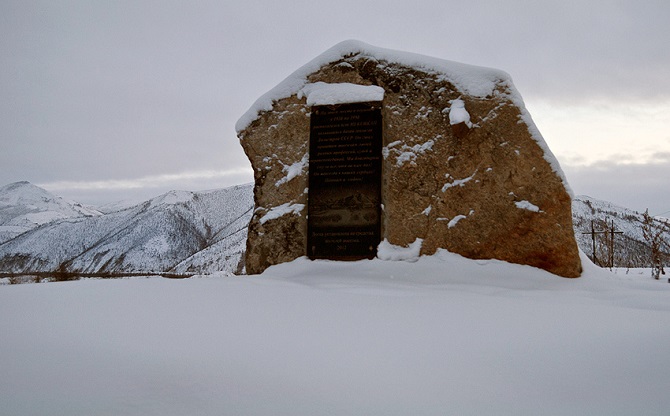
(593, 247)
(593, 233)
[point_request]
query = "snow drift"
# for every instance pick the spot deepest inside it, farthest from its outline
(442, 335)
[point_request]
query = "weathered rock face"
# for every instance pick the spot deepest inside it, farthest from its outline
(487, 187)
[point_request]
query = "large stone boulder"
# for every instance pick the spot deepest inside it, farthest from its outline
(465, 169)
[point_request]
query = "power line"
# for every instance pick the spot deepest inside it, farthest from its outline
(665, 212)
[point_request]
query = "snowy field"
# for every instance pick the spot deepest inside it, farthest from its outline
(440, 336)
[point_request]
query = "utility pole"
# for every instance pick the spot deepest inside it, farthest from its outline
(593, 238)
(612, 232)
(593, 233)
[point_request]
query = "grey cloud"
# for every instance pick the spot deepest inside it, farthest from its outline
(127, 89)
(635, 186)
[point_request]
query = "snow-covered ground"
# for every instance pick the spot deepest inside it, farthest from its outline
(439, 336)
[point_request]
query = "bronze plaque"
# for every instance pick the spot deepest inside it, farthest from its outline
(345, 164)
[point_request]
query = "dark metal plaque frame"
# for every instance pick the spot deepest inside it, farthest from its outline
(345, 166)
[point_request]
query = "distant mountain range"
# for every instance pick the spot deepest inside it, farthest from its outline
(185, 233)
(24, 206)
(178, 233)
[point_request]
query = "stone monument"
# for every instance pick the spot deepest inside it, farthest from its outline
(365, 144)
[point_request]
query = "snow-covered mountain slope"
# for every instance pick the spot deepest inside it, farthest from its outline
(187, 233)
(225, 254)
(630, 248)
(24, 206)
(153, 237)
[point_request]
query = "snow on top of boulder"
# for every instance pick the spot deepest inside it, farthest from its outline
(476, 81)
(473, 80)
(321, 93)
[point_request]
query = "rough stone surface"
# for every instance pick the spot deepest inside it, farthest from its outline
(485, 191)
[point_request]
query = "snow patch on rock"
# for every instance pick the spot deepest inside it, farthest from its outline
(458, 114)
(527, 206)
(406, 153)
(282, 210)
(455, 220)
(457, 182)
(293, 170)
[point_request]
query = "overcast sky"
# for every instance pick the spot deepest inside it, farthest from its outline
(115, 100)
